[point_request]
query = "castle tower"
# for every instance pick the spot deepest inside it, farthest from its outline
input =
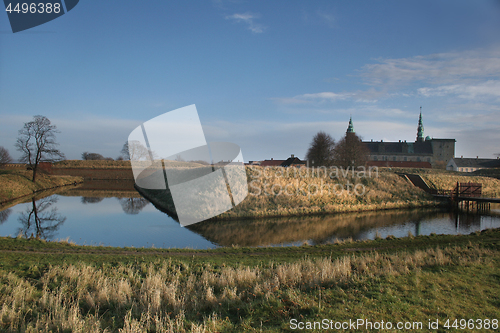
(350, 128)
(420, 129)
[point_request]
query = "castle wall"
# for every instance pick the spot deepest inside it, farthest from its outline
(401, 157)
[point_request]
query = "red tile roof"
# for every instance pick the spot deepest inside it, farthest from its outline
(400, 164)
(271, 162)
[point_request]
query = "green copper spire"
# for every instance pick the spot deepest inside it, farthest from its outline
(350, 129)
(420, 129)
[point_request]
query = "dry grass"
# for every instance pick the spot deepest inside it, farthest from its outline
(82, 164)
(278, 192)
(156, 297)
(17, 183)
(448, 181)
(92, 164)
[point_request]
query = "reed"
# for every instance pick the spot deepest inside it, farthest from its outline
(170, 296)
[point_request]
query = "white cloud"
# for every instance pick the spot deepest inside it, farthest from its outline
(490, 88)
(326, 95)
(249, 20)
(369, 96)
(440, 68)
(472, 77)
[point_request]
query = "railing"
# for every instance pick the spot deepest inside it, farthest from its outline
(468, 190)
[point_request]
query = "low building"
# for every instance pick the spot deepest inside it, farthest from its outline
(292, 161)
(471, 164)
(271, 163)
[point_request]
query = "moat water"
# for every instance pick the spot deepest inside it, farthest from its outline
(113, 214)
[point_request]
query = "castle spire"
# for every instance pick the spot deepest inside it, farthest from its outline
(350, 128)
(420, 128)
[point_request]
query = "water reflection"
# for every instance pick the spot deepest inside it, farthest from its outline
(133, 206)
(4, 215)
(91, 200)
(40, 220)
(120, 217)
(328, 229)
(466, 221)
(313, 229)
(130, 205)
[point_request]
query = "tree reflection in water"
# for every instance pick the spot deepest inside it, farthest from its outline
(4, 215)
(91, 200)
(41, 220)
(133, 206)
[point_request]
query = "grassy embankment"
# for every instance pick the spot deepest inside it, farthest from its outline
(17, 183)
(490, 189)
(92, 164)
(277, 191)
(99, 170)
(66, 288)
(281, 192)
(447, 180)
(378, 191)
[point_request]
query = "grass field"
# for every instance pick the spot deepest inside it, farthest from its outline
(17, 183)
(60, 287)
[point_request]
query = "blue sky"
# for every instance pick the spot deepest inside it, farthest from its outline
(266, 75)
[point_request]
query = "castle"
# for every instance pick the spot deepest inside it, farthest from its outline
(423, 152)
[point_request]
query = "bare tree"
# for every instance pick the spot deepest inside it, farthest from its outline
(39, 220)
(350, 151)
(91, 156)
(133, 206)
(134, 151)
(4, 156)
(37, 143)
(320, 152)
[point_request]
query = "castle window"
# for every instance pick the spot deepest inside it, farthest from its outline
(394, 158)
(406, 158)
